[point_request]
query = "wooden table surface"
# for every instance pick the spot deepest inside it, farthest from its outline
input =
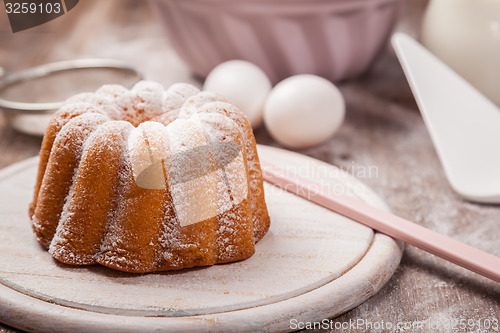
(383, 132)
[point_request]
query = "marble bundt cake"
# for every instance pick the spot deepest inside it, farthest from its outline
(148, 179)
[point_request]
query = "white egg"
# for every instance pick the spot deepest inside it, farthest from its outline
(244, 84)
(304, 110)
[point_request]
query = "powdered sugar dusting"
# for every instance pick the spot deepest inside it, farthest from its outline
(196, 102)
(194, 200)
(148, 149)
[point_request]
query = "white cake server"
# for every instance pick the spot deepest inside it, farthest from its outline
(463, 124)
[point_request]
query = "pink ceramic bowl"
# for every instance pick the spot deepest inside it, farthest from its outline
(336, 39)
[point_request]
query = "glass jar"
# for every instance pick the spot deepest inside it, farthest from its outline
(465, 34)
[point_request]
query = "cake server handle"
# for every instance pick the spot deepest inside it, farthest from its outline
(440, 245)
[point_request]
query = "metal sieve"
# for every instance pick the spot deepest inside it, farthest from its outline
(28, 98)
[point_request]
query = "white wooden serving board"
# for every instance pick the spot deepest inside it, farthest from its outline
(312, 264)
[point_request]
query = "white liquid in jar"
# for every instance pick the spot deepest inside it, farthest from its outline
(465, 34)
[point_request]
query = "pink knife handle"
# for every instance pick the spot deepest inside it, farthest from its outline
(459, 253)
